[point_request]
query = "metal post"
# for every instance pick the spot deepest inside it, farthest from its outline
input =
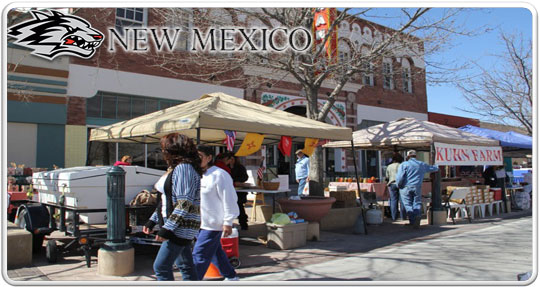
(198, 136)
(116, 210)
(436, 201)
(360, 224)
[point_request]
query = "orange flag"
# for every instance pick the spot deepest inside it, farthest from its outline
(252, 143)
(309, 146)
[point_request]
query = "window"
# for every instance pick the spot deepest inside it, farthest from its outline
(388, 81)
(123, 107)
(367, 76)
(129, 17)
(182, 19)
(406, 76)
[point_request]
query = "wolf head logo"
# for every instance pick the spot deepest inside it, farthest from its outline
(54, 35)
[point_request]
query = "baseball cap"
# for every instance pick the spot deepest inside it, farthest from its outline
(298, 151)
(411, 152)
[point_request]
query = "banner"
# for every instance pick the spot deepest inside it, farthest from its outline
(252, 143)
(285, 145)
(448, 154)
(309, 146)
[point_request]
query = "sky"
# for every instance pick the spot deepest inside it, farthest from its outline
(446, 98)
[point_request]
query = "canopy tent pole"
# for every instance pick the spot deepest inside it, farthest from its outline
(198, 136)
(145, 153)
(360, 224)
(116, 151)
(436, 201)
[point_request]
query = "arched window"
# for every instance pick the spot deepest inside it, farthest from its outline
(406, 76)
(388, 78)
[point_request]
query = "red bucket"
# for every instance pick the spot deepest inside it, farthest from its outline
(497, 193)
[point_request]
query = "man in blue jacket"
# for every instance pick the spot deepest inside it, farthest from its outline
(409, 180)
(301, 170)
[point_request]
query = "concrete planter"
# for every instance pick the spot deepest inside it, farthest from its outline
(310, 208)
(338, 218)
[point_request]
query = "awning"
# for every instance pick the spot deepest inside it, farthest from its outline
(216, 112)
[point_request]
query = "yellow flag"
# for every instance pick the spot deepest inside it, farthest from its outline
(309, 146)
(252, 143)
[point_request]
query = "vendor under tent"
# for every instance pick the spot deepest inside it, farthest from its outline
(447, 146)
(206, 119)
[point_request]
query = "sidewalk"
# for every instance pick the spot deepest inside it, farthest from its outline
(261, 263)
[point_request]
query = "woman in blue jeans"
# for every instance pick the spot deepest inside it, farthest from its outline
(178, 211)
(391, 172)
(218, 210)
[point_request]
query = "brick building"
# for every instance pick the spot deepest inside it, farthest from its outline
(78, 94)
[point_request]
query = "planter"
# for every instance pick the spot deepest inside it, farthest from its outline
(310, 208)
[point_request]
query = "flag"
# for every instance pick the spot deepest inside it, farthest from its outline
(260, 171)
(229, 141)
(252, 143)
(285, 145)
(322, 142)
(309, 146)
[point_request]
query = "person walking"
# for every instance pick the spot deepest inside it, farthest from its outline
(240, 176)
(391, 172)
(301, 170)
(218, 210)
(409, 180)
(177, 212)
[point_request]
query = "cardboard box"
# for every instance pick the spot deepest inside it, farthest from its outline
(286, 236)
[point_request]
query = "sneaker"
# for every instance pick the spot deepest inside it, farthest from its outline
(417, 222)
(235, 278)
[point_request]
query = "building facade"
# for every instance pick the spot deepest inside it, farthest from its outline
(69, 96)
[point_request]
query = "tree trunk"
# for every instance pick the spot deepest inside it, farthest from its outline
(316, 185)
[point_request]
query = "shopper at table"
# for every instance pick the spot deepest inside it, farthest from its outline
(178, 209)
(301, 170)
(218, 210)
(490, 178)
(240, 176)
(409, 180)
(223, 160)
(391, 172)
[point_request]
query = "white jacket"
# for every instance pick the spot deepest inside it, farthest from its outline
(218, 199)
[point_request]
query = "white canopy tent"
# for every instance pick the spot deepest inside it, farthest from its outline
(208, 117)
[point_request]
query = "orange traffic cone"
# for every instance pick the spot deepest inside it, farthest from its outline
(212, 272)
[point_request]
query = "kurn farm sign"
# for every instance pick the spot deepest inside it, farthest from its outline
(447, 154)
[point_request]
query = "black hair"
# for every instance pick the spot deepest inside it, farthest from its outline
(207, 150)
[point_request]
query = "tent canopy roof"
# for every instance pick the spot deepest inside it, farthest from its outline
(213, 113)
(410, 133)
(507, 139)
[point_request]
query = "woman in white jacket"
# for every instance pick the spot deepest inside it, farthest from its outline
(218, 210)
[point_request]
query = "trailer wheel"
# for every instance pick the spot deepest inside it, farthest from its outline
(51, 251)
(235, 262)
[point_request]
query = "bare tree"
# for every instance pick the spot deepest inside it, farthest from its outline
(417, 35)
(502, 93)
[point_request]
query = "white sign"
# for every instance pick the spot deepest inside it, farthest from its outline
(447, 154)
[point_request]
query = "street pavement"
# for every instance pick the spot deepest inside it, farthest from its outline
(490, 250)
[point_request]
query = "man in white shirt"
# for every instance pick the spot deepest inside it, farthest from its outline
(218, 210)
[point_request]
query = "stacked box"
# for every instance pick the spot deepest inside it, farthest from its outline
(469, 199)
(488, 196)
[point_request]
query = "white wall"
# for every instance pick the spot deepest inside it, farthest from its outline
(86, 81)
(371, 113)
(21, 143)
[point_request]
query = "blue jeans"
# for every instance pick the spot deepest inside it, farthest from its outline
(208, 249)
(412, 199)
(301, 184)
(180, 255)
(394, 200)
